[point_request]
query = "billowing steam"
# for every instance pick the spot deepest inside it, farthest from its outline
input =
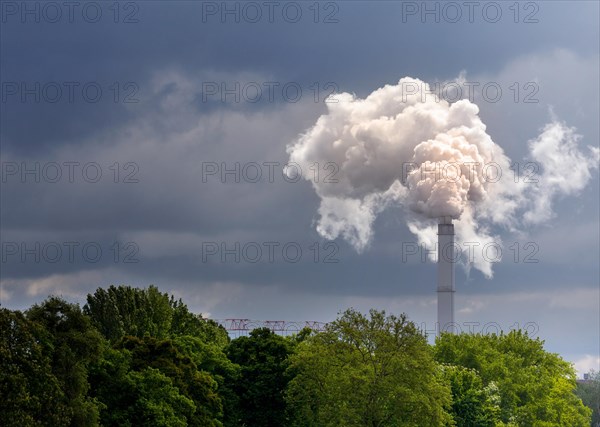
(401, 145)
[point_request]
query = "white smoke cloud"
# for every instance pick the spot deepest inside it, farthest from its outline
(402, 145)
(565, 169)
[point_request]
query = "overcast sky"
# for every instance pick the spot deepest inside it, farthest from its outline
(118, 122)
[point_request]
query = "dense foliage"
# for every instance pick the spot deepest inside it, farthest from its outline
(535, 388)
(138, 357)
(589, 392)
(376, 371)
(260, 389)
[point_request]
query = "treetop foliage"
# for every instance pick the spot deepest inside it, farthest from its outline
(124, 310)
(133, 357)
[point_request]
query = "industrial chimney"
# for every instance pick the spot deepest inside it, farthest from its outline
(445, 289)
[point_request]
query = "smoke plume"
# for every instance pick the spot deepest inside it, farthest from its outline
(403, 146)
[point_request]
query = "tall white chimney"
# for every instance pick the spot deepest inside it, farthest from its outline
(445, 289)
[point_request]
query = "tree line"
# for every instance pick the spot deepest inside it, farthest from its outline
(139, 357)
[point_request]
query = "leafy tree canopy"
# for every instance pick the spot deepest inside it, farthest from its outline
(75, 345)
(367, 371)
(30, 394)
(535, 386)
(260, 389)
(589, 393)
(123, 310)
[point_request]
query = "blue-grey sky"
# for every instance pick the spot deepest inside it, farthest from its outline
(132, 91)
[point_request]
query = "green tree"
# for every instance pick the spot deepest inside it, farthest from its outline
(123, 310)
(75, 345)
(589, 393)
(473, 405)
(535, 387)
(111, 384)
(159, 403)
(30, 394)
(210, 357)
(375, 371)
(260, 389)
(133, 398)
(159, 331)
(197, 385)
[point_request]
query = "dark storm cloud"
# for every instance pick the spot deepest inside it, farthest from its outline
(188, 37)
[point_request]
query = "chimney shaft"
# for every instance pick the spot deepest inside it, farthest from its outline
(445, 288)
